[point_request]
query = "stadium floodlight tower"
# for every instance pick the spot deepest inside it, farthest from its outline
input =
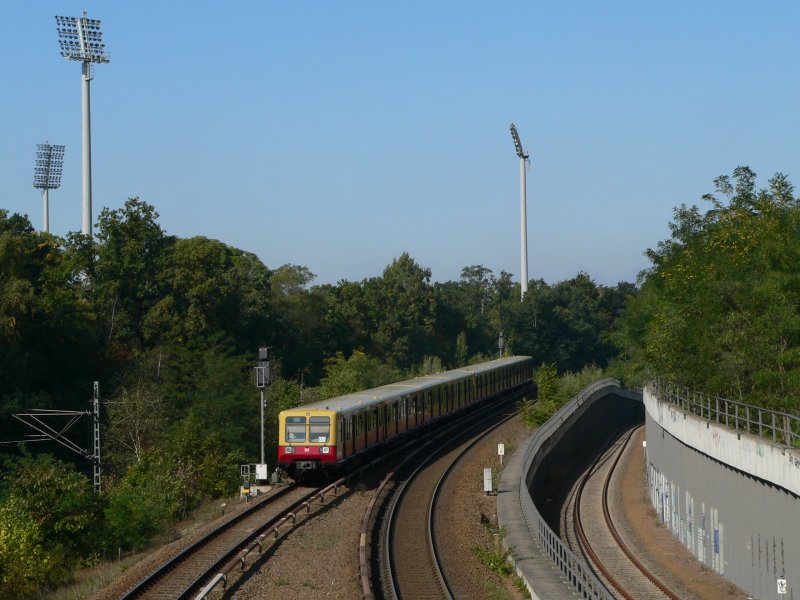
(523, 214)
(47, 175)
(80, 39)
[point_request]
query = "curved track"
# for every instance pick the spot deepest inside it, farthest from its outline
(408, 550)
(213, 556)
(599, 540)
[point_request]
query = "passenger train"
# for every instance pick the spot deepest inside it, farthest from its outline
(330, 435)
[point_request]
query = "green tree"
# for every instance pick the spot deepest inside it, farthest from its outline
(718, 309)
(47, 342)
(357, 372)
(301, 329)
(211, 292)
(27, 561)
(547, 397)
(403, 309)
(462, 349)
(50, 520)
(168, 481)
(131, 255)
(135, 421)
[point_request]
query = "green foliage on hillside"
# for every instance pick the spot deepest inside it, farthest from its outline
(719, 309)
(554, 390)
(170, 328)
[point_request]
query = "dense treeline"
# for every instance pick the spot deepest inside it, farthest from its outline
(170, 329)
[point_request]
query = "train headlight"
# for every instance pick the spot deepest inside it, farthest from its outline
(325, 450)
(288, 450)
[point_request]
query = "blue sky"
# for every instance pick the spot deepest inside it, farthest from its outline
(338, 135)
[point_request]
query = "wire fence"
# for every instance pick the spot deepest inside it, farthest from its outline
(781, 428)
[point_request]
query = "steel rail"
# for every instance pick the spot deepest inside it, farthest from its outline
(593, 560)
(586, 547)
(437, 489)
(236, 556)
(365, 569)
(187, 552)
(612, 528)
(400, 491)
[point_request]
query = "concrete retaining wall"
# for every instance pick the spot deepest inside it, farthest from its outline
(731, 499)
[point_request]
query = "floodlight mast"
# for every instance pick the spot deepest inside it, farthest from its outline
(47, 175)
(523, 215)
(81, 39)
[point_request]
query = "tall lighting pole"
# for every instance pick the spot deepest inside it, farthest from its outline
(80, 39)
(47, 175)
(523, 215)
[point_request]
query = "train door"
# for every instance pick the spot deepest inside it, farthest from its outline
(348, 436)
(340, 441)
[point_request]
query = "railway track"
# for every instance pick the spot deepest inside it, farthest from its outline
(195, 571)
(595, 535)
(209, 566)
(405, 551)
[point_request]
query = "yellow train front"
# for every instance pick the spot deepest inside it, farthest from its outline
(307, 440)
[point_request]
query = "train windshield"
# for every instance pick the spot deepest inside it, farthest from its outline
(319, 429)
(296, 429)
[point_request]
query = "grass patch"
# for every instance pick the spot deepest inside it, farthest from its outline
(495, 592)
(496, 560)
(87, 582)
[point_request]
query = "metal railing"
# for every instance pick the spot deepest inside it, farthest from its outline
(573, 568)
(781, 428)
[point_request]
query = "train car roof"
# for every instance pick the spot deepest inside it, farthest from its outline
(384, 393)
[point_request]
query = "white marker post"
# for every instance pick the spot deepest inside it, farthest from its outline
(487, 481)
(501, 450)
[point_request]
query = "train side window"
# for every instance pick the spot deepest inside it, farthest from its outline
(295, 429)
